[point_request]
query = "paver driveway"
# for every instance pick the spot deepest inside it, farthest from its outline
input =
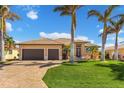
(25, 74)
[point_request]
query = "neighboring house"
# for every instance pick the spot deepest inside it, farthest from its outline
(49, 49)
(12, 54)
(110, 51)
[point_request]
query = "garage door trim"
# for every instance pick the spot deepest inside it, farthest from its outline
(31, 48)
(53, 48)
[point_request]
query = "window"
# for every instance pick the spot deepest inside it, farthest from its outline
(88, 49)
(10, 51)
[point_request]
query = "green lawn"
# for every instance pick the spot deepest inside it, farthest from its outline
(86, 75)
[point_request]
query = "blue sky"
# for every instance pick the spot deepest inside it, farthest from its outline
(40, 21)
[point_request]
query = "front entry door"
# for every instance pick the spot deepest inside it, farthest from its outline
(78, 51)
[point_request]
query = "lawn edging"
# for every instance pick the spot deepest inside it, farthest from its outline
(44, 72)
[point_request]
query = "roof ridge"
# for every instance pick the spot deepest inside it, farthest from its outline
(41, 41)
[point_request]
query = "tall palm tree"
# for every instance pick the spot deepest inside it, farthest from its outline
(5, 13)
(105, 17)
(116, 26)
(69, 10)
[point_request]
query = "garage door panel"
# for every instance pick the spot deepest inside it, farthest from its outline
(33, 54)
(53, 54)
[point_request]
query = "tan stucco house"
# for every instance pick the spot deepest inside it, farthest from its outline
(49, 49)
(110, 51)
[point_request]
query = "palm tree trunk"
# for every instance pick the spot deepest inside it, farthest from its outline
(103, 50)
(103, 43)
(72, 43)
(116, 48)
(2, 43)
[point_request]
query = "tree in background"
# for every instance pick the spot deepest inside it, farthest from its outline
(116, 26)
(104, 18)
(9, 43)
(66, 51)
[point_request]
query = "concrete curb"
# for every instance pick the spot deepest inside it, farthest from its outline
(47, 68)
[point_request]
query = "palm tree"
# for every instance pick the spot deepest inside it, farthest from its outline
(5, 13)
(66, 51)
(9, 43)
(105, 17)
(116, 26)
(69, 10)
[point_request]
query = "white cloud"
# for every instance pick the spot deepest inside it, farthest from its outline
(81, 38)
(56, 35)
(92, 41)
(111, 38)
(121, 32)
(109, 44)
(120, 39)
(9, 26)
(17, 41)
(32, 15)
(84, 38)
(101, 30)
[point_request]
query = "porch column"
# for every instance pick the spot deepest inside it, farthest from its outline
(45, 54)
(60, 53)
(20, 53)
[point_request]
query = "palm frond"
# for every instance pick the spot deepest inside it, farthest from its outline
(12, 16)
(109, 30)
(109, 10)
(113, 23)
(95, 13)
(100, 34)
(66, 9)
(64, 13)
(9, 42)
(61, 8)
(118, 24)
(79, 6)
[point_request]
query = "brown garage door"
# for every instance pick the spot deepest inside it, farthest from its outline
(53, 54)
(33, 54)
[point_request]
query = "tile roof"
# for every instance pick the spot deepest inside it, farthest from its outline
(67, 41)
(91, 44)
(51, 41)
(40, 41)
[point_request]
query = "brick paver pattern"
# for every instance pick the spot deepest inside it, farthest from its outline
(25, 74)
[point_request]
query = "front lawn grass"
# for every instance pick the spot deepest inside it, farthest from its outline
(95, 74)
